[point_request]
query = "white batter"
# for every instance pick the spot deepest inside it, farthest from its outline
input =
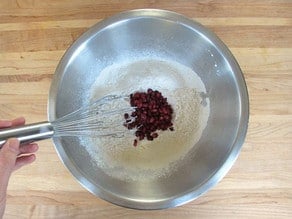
(150, 159)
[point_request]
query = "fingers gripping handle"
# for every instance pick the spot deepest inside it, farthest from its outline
(28, 133)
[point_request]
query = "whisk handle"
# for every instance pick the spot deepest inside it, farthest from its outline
(27, 133)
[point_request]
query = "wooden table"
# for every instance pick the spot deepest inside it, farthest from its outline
(34, 34)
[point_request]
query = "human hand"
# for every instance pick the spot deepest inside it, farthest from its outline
(12, 157)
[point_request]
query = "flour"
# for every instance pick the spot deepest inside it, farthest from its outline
(150, 159)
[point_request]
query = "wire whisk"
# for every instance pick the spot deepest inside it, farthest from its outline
(101, 118)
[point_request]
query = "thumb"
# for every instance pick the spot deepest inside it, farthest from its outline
(8, 156)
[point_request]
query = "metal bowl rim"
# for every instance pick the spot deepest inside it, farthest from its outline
(230, 157)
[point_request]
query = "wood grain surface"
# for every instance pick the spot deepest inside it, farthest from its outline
(34, 34)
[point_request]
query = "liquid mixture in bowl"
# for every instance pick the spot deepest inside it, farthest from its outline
(150, 159)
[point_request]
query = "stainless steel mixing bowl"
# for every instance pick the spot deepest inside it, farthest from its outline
(170, 36)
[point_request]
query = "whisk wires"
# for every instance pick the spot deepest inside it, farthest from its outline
(104, 117)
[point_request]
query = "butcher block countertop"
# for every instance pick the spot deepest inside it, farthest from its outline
(34, 34)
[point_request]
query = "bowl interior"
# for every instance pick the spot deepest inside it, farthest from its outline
(165, 35)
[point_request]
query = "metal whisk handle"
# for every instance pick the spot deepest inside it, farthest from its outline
(28, 133)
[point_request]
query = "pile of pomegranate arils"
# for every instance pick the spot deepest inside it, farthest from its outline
(151, 113)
